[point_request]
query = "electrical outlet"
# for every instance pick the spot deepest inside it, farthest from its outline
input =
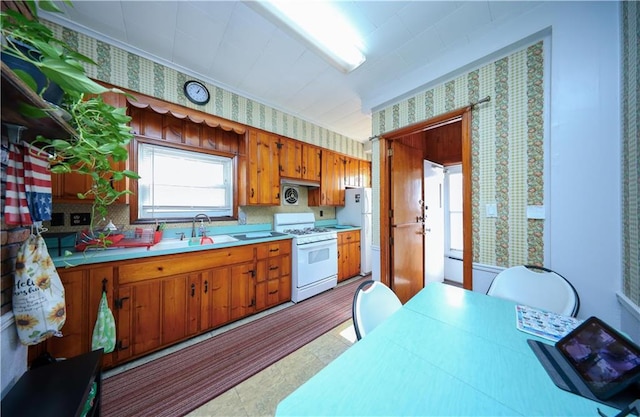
(321, 213)
(80, 219)
(57, 219)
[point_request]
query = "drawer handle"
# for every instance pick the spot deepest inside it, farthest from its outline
(206, 287)
(251, 271)
(193, 290)
(252, 193)
(274, 250)
(273, 292)
(273, 268)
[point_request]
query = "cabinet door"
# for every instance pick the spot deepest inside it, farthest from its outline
(146, 317)
(175, 293)
(331, 191)
(242, 290)
(83, 292)
(311, 163)
(290, 158)
(365, 174)
(264, 170)
(220, 297)
(352, 172)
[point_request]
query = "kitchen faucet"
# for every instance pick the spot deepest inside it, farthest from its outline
(202, 228)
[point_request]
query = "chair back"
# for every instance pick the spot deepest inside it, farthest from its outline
(373, 302)
(536, 287)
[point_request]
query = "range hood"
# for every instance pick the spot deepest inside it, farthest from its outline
(295, 181)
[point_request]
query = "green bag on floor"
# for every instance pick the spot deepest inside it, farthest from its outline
(104, 331)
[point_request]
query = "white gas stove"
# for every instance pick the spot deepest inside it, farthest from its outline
(314, 254)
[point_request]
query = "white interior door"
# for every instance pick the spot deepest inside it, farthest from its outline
(433, 222)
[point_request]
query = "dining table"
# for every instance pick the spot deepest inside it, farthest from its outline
(446, 352)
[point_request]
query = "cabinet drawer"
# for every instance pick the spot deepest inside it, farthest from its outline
(349, 237)
(271, 249)
(163, 266)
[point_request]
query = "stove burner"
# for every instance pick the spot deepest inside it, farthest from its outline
(307, 231)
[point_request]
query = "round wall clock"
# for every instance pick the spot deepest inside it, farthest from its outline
(196, 92)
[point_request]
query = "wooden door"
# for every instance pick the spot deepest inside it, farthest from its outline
(290, 158)
(311, 163)
(407, 222)
(242, 290)
(220, 290)
(176, 291)
(264, 171)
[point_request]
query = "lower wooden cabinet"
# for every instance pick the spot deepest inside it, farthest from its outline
(348, 254)
(159, 301)
(273, 279)
(83, 292)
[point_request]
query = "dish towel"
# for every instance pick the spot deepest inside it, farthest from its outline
(104, 331)
(28, 186)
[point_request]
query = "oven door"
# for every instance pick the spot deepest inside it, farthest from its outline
(315, 261)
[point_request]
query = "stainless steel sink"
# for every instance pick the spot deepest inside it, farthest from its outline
(258, 235)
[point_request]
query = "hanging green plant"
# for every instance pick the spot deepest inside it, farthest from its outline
(102, 133)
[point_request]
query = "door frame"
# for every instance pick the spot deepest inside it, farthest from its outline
(464, 116)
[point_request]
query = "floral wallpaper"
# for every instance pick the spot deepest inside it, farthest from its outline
(630, 150)
(507, 150)
(127, 70)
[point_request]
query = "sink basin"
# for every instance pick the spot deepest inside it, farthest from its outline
(177, 243)
(258, 235)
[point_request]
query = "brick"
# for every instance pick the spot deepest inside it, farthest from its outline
(18, 235)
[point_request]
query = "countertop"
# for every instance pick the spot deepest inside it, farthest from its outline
(120, 254)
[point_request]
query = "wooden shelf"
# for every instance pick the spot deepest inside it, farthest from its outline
(14, 92)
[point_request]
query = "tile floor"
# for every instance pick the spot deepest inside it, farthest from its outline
(260, 394)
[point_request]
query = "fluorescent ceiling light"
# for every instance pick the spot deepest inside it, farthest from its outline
(321, 25)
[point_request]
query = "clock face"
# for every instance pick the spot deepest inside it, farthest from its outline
(196, 92)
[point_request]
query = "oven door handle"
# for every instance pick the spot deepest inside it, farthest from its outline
(318, 245)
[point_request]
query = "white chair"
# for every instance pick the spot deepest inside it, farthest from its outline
(536, 287)
(373, 302)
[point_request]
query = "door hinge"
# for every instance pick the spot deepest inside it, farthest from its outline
(118, 302)
(390, 213)
(391, 241)
(390, 152)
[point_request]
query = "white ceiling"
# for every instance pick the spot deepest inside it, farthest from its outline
(227, 43)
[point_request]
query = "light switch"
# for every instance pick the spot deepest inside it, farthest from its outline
(535, 212)
(492, 210)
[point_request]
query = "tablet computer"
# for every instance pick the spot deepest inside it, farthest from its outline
(604, 359)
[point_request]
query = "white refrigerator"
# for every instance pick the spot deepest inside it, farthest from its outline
(357, 212)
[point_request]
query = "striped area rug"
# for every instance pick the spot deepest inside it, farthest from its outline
(182, 381)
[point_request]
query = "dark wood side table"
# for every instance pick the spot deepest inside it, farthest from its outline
(59, 389)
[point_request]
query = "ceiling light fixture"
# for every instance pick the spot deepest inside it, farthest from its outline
(319, 24)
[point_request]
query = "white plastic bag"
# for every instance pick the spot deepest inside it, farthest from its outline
(38, 295)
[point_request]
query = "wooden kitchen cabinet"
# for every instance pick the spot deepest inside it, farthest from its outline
(299, 160)
(331, 190)
(83, 292)
(348, 254)
(243, 290)
(273, 269)
(357, 173)
(66, 187)
(260, 184)
(161, 300)
(365, 174)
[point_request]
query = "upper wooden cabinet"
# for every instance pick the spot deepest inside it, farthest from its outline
(299, 160)
(331, 190)
(259, 169)
(66, 187)
(357, 173)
